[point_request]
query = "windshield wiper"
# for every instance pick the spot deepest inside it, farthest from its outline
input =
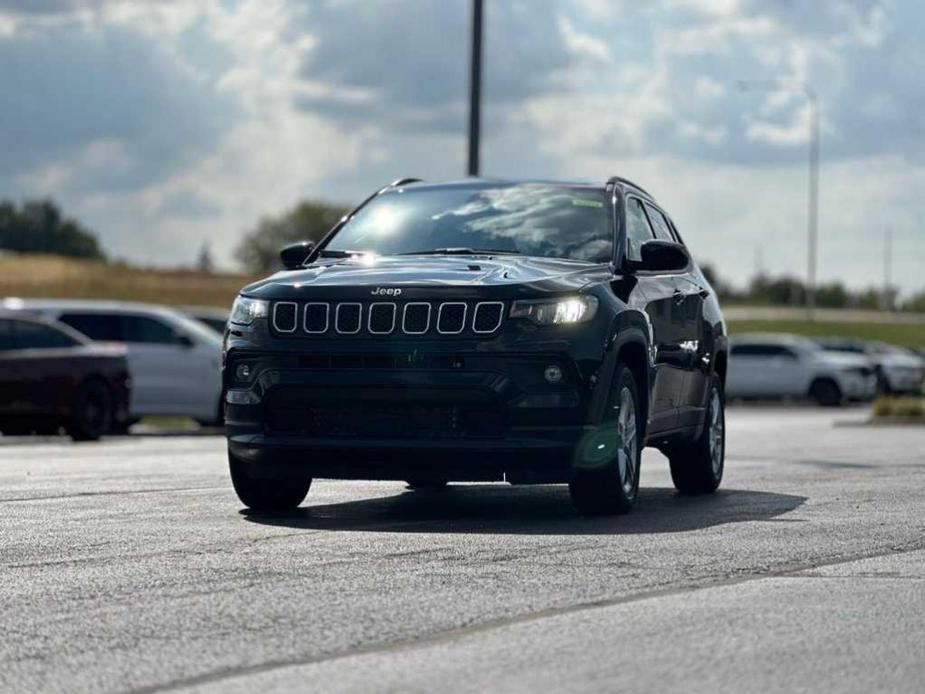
(334, 253)
(462, 251)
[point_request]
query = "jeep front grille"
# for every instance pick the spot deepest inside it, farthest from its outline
(464, 318)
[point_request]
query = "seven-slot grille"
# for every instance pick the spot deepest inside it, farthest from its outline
(387, 317)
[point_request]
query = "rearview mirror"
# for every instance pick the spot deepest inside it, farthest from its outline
(294, 255)
(661, 256)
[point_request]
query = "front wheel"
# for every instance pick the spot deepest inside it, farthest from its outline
(266, 494)
(91, 414)
(697, 466)
(826, 392)
(606, 479)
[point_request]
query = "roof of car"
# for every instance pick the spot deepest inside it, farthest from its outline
(488, 182)
(13, 303)
(770, 338)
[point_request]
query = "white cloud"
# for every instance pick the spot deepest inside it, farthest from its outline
(283, 99)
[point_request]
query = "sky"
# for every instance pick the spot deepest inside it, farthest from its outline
(164, 125)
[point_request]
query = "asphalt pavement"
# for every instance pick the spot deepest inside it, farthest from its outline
(129, 565)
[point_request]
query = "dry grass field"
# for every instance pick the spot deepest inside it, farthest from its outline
(36, 276)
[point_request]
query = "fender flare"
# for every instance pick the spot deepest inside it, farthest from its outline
(621, 336)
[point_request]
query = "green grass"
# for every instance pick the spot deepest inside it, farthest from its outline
(902, 334)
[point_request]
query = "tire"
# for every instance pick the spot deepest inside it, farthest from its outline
(697, 466)
(92, 411)
(609, 485)
(826, 392)
(426, 485)
(266, 494)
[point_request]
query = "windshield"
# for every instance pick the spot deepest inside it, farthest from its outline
(528, 219)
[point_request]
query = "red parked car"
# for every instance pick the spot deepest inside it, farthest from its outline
(52, 377)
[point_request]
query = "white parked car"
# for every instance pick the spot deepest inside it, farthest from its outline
(174, 361)
(898, 370)
(781, 365)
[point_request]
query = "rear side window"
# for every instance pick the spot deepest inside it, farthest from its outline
(97, 326)
(28, 335)
(637, 229)
(148, 331)
(660, 224)
(6, 336)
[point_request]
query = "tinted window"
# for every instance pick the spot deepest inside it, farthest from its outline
(762, 351)
(6, 335)
(660, 224)
(30, 335)
(148, 330)
(96, 326)
(637, 229)
(530, 219)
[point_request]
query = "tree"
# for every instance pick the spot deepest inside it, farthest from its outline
(38, 226)
(204, 261)
(307, 221)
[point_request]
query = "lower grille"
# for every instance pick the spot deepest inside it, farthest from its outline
(288, 413)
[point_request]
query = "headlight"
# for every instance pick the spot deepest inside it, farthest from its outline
(578, 309)
(245, 311)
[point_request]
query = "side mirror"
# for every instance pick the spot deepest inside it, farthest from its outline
(661, 256)
(294, 255)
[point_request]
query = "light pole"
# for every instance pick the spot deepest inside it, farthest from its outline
(475, 88)
(812, 217)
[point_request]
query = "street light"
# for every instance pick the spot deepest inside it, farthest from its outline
(813, 193)
(475, 88)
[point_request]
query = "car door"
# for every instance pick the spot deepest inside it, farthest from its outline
(659, 291)
(687, 325)
(11, 371)
(39, 367)
(160, 360)
(785, 372)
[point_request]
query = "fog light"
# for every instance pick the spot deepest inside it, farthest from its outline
(243, 372)
(553, 374)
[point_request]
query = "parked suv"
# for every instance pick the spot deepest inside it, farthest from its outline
(780, 365)
(174, 360)
(480, 330)
(898, 370)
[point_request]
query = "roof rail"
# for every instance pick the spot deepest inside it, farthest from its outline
(626, 181)
(403, 182)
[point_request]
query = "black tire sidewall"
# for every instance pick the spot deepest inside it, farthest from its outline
(79, 428)
(600, 491)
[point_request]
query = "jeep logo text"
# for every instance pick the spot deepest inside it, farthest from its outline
(385, 291)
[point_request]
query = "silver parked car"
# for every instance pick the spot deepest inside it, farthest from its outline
(898, 370)
(782, 365)
(174, 361)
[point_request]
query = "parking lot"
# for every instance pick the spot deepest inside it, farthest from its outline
(129, 565)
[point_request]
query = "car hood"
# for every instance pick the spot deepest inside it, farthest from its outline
(897, 360)
(843, 359)
(426, 275)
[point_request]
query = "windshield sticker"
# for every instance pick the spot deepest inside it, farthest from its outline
(584, 202)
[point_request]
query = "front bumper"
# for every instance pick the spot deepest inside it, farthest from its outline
(858, 386)
(463, 416)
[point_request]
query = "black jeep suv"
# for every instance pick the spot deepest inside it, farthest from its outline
(531, 332)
